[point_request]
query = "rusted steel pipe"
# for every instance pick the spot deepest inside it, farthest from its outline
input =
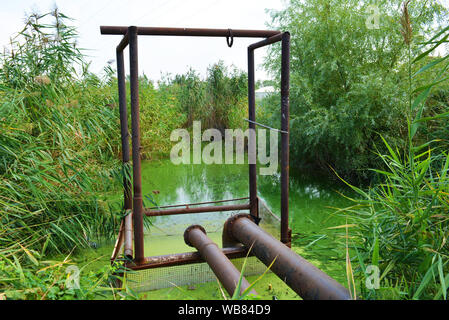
(123, 43)
(192, 32)
(135, 124)
(304, 278)
(235, 207)
(285, 126)
(127, 221)
(265, 42)
(124, 129)
(195, 236)
(252, 150)
(227, 240)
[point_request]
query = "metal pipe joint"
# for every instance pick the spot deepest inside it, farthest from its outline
(305, 279)
(195, 236)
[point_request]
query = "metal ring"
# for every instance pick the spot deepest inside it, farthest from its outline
(230, 36)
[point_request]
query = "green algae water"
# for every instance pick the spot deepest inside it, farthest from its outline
(313, 202)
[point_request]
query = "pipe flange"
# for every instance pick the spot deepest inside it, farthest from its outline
(228, 224)
(186, 233)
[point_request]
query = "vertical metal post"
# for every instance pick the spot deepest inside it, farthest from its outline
(253, 202)
(135, 124)
(125, 152)
(285, 126)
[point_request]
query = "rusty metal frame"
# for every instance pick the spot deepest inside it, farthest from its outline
(131, 229)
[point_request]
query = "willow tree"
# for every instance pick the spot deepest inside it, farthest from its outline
(348, 78)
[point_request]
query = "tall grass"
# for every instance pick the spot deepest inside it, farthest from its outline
(60, 149)
(57, 152)
(219, 101)
(402, 224)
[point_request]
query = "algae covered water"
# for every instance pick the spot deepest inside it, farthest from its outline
(312, 206)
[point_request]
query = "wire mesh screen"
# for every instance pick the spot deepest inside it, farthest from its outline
(171, 231)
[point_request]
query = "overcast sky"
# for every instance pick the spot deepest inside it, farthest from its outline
(156, 54)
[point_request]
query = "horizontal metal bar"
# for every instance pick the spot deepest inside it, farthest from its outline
(154, 213)
(178, 259)
(197, 203)
(192, 32)
(123, 43)
(265, 42)
(265, 126)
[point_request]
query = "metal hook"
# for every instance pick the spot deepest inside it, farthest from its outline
(230, 36)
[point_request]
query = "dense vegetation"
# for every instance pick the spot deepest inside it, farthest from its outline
(59, 148)
(219, 101)
(348, 82)
(402, 223)
(55, 157)
(370, 105)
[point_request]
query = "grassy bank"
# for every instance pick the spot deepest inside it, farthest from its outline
(60, 151)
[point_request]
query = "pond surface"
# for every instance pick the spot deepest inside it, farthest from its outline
(313, 202)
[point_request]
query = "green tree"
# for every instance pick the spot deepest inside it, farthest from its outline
(348, 80)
